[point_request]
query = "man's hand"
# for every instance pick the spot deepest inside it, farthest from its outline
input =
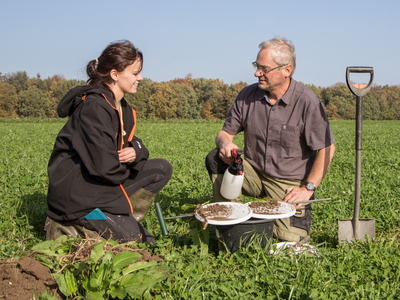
(225, 153)
(225, 145)
(127, 155)
(295, 194)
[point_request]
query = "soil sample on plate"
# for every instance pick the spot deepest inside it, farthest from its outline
(271, 207)
(214, 211)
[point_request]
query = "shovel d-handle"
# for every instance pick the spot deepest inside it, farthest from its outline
(359, 91)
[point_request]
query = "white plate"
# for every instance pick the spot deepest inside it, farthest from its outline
(291, 248)
(285, 210)
(239, 213)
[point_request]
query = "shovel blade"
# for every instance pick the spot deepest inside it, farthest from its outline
(346, 231)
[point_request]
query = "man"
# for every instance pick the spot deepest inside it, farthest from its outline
(288, 141)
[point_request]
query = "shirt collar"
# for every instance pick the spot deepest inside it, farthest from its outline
(260, 93)
(286, 98)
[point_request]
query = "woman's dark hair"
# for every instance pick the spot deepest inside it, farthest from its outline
(118, 56)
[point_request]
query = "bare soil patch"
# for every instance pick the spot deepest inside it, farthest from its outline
(25, 279)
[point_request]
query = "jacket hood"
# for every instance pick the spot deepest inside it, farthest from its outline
(73, 98)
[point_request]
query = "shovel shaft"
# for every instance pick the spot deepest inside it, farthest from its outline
(357, 187)
(309, 201)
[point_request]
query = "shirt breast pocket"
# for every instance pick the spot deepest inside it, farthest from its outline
(290, 139)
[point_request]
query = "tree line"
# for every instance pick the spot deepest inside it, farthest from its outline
(183, 98)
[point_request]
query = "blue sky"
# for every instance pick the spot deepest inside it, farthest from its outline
(204, 38)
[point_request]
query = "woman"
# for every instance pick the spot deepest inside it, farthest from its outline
(101, 181)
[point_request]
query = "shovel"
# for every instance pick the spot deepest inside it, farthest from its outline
(357, 228)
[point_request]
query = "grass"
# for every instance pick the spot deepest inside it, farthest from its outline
(364, 270)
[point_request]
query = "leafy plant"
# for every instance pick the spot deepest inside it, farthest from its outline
(99, 270)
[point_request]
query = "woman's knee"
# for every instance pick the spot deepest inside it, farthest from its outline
(165, 166)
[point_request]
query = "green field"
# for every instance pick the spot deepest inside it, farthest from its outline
(364, 270)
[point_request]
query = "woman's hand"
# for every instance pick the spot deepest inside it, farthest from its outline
(127, 155)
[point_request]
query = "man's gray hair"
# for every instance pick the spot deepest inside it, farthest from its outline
(281, 50)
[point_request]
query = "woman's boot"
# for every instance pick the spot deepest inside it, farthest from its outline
(141, 201)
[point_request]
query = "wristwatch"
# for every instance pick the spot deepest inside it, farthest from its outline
(310, 186)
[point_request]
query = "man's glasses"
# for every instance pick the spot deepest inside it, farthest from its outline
(265, 70)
